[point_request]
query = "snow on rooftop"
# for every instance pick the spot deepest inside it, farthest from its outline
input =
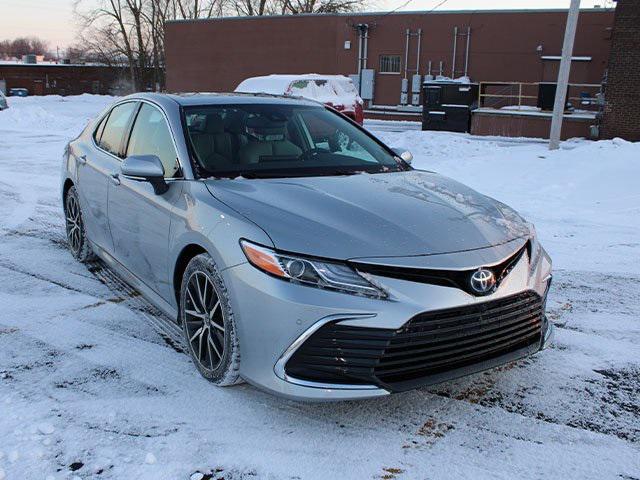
(48, 63)
(338, 89)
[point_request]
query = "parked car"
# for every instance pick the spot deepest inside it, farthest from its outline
(18, 92)
(297, 251)
(336, 91)
(3, 101)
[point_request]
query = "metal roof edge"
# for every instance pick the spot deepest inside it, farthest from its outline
(383, 13)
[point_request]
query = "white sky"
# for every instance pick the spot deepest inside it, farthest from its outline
(52, 20)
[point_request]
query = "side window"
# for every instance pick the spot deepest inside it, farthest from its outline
(116, 127)
(98, 133)
(151, 136)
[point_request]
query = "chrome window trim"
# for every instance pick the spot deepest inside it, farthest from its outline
(166, 118)
(279, 368)
(93, 133)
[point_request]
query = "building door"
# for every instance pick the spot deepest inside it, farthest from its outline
(38, 87)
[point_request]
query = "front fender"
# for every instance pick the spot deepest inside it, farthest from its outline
(200, 219)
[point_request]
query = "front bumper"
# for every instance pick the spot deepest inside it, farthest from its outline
(275, 318)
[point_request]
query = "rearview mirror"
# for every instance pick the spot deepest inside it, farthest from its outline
(145, 168)
(404, 154)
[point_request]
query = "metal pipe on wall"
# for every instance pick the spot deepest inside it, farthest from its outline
(455, 45)
(466, 52)
(366, 47)
(418, 57)
(406, 53)
(359, 51)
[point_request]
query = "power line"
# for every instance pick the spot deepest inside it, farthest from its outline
(407, 3)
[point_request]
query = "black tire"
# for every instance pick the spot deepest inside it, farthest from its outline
(208, 321)
(76, 233)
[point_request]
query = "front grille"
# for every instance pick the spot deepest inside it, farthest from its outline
(429, 344)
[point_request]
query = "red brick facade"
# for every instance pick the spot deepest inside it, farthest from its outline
(622, 111)
(507, 45)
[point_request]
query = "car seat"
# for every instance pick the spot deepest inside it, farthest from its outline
(267, 141)
(214, 146)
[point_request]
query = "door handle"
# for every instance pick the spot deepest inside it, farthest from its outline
(82, 159)
(115, 178)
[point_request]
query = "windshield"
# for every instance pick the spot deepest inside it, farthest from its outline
(275, 140)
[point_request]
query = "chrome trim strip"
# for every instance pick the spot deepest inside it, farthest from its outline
(279, 369)
(522, 241)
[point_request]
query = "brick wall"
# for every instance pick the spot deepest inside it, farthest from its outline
(622, 112)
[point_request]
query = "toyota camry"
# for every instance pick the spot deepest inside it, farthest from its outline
(297, 251)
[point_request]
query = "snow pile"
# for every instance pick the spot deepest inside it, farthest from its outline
(51, 113)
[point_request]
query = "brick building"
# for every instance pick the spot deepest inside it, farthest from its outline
(492, 45)
(63, 79)
(622, 111)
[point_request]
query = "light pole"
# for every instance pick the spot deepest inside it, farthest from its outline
(563, 75)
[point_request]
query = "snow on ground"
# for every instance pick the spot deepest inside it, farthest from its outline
(94, 384)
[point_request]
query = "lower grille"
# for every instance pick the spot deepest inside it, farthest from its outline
(431, 343)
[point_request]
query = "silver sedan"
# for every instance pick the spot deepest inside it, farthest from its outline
(297, 251)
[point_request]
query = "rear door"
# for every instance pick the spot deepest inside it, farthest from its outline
(139, 218)
(96, 166)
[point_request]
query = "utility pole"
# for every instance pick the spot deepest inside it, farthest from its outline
(563, 75)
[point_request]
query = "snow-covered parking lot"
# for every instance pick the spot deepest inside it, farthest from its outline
(94, 384)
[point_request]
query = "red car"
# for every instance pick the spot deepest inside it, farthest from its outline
(336, 91)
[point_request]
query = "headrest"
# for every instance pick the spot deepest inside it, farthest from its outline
(234, 121)
(266, 129)
(214, 124)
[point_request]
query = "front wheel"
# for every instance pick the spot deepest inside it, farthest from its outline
(76, 233)
(208, 323)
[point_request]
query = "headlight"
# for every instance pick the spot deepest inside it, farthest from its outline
(309, 271)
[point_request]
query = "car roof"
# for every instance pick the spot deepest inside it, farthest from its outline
(200, 99)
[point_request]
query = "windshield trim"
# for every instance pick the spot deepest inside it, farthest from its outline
(299, 172)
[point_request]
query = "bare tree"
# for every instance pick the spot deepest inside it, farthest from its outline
(259, 7)
(322, 6)
(23, 46)
(131, 32)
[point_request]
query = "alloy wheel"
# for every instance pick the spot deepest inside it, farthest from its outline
(73, 223)
(204, 321)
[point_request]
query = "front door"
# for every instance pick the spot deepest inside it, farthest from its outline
(139, 218)
(95, 169)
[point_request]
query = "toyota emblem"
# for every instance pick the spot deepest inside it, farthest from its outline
(483, 281)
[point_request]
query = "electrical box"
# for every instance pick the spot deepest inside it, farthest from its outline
(366, 92)
(416, 83)
(416, 86)
(404, 92)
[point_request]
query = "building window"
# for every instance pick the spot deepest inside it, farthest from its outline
(389, 63)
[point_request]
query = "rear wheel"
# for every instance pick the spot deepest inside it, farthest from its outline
(76, 233)
(208, 323)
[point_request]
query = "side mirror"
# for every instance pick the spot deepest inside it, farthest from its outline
(145, 168)
(404, 154)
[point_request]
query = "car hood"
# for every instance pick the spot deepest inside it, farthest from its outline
(369, 215)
